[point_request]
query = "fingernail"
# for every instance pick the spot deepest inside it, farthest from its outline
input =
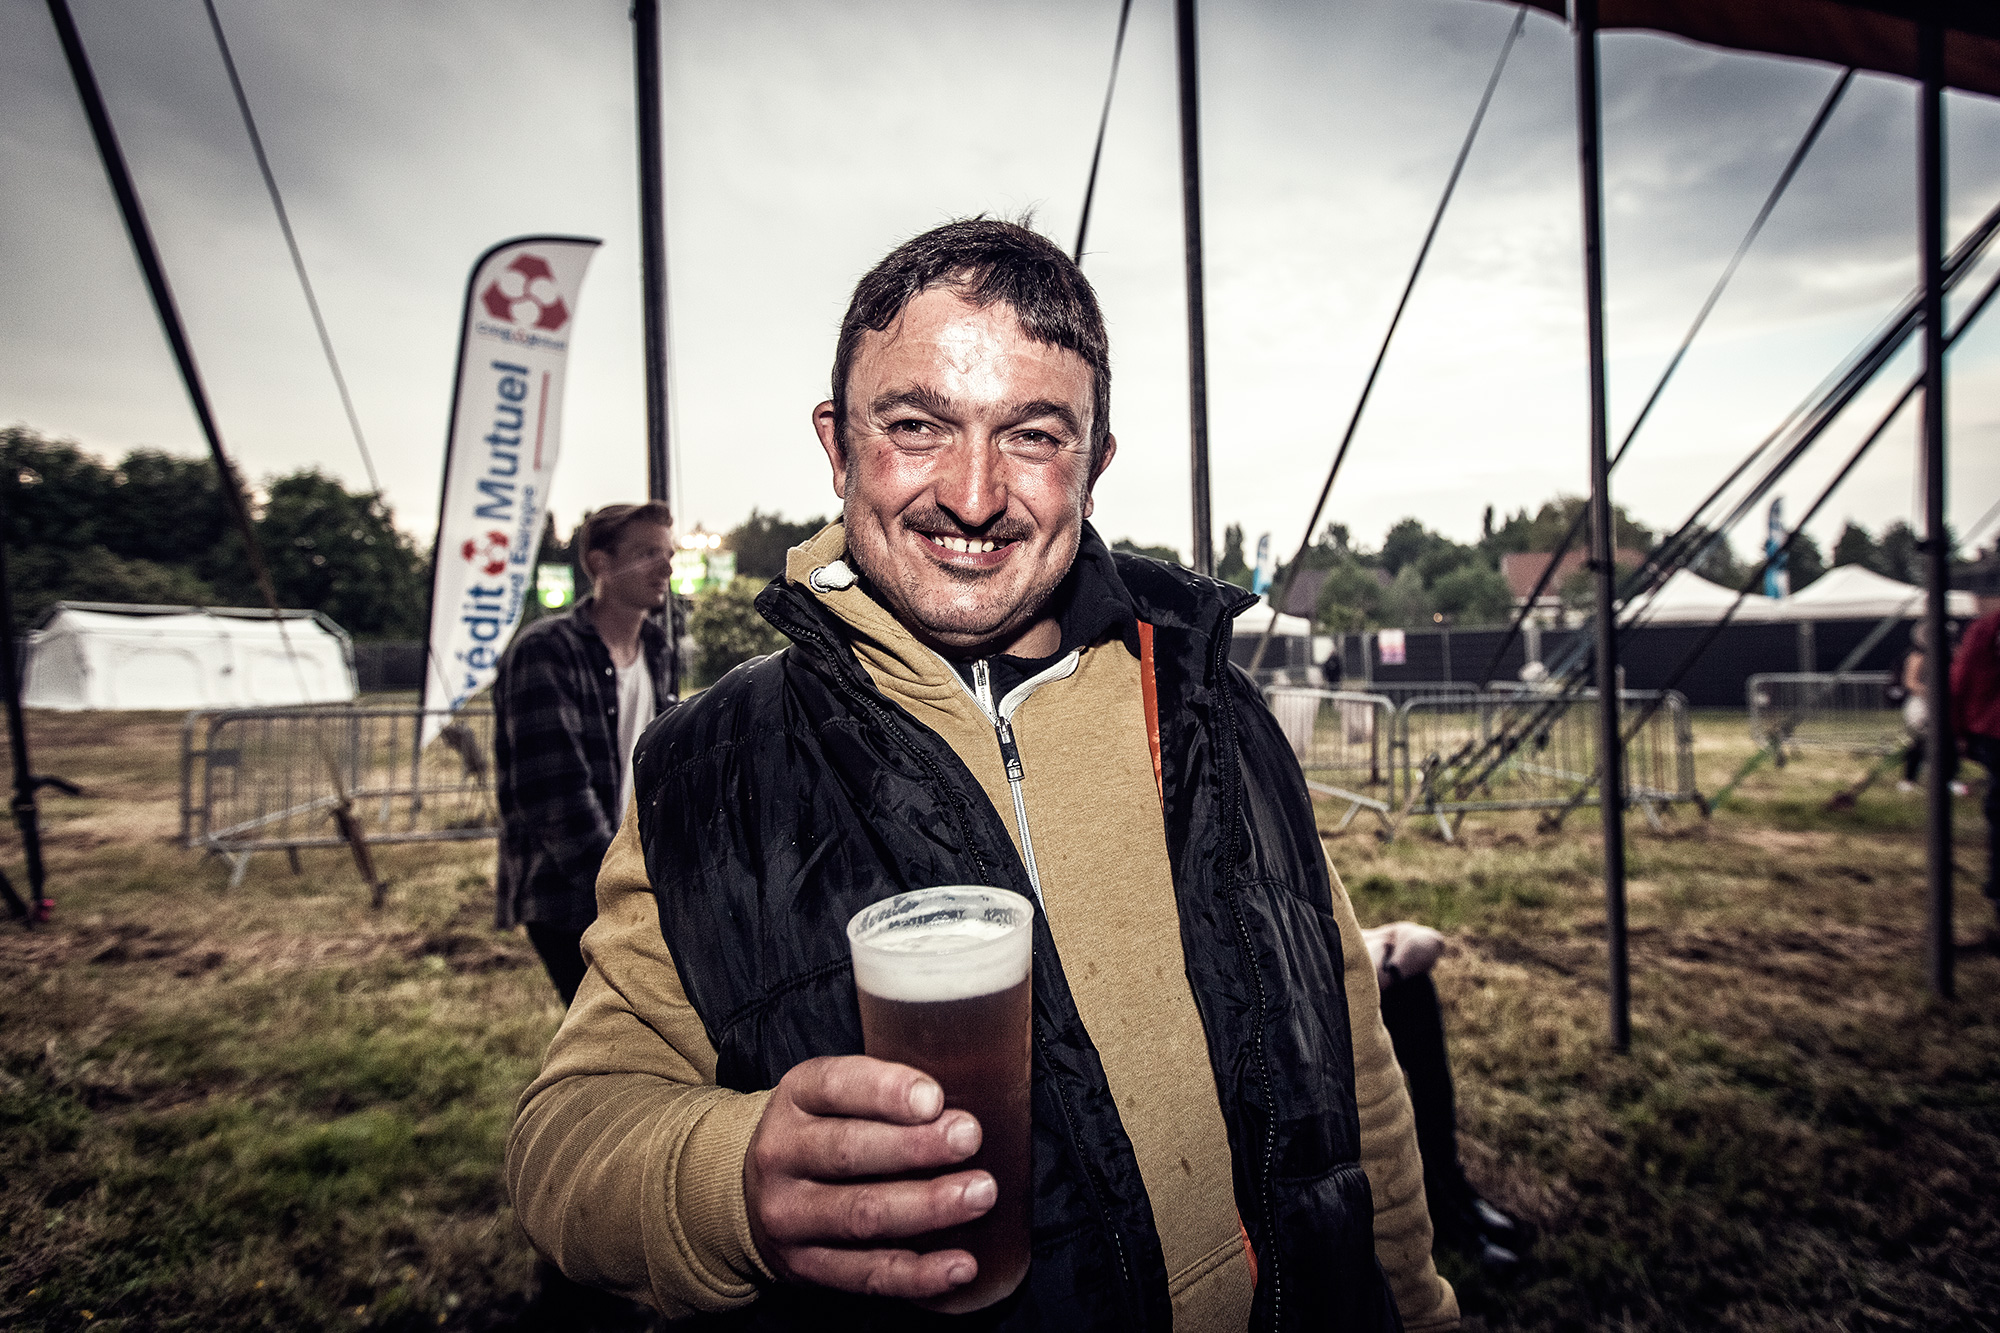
(963, 1136)
(981, 1193)
(960, 1272)
(926, 1099)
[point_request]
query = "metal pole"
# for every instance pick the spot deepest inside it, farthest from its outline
(1184, 44)
(1611, 768)
(653, 275)
(1937, 655)
(27, 815)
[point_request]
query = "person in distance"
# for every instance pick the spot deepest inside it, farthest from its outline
(573, 694)
(978, 691)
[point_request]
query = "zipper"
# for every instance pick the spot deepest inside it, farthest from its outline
(1001, 715)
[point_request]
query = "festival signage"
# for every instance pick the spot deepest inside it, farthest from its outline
(506, 428)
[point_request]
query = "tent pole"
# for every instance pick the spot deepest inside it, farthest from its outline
(27, 815)
(653, 274)
(1184, 44)
(1611, 767)
(1937, 657)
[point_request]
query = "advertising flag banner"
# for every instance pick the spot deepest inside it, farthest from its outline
(506, 428)
(1777, 579)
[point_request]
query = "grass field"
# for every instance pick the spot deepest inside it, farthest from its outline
(271, 1107)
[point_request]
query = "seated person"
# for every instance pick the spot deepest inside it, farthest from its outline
(1403, 953)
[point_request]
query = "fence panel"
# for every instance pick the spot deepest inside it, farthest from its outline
(269, 779)
(1822, 710)
(1343, 742)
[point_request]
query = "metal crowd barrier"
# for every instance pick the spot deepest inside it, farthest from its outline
(1343, 742)
(1822, 710)
(263, 779)
(1399, 759)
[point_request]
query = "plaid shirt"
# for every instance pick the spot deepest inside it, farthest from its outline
(555, 750)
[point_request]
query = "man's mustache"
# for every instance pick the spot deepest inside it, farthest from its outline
(932, 521)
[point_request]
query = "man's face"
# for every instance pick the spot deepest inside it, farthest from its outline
(635, 572)
(966, 475)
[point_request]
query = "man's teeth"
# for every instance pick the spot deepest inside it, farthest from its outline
(963, 546)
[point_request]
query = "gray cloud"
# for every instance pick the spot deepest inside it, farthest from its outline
(804, 139)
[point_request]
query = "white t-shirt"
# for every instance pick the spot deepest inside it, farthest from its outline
(635, 710)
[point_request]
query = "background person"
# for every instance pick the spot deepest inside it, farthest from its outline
(1975, 701)
(572, 695)
(1220, 1131)
(1917, 714)
(1403, 953)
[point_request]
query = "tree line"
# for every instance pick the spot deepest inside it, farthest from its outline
(153, 529)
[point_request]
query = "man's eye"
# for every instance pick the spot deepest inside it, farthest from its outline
(1033, 444)
(914, 432)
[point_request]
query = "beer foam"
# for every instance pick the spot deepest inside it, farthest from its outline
(952, 955)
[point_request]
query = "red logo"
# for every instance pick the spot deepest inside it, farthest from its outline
(525, 293)
(492, 550)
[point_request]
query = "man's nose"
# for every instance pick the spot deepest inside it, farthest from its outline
(973, 484)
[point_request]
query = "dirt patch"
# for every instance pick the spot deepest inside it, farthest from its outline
(1783, 840)
(189, 955)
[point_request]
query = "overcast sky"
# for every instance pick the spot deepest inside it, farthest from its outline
(805, 139)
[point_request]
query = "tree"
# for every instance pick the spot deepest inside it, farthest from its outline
(1900, 557)
(1231, 568)
(1349, 600)
(1805, 562)
(341, 553)
(762, 540)
(728, 631)
(1166, 553)
(1472, 594)
(1856, 546)
(1545, 529)
(1406, 543)
(164, 509)
(1406, 603)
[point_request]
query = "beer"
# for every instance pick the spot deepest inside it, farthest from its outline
(942, 976)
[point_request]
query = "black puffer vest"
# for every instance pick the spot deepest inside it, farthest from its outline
(792, 794)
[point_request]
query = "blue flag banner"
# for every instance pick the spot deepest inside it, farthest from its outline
(1777, 581)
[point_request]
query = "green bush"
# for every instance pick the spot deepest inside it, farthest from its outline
(728, 631)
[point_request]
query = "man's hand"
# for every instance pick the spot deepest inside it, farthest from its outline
(1402, 949)
(819, 1211)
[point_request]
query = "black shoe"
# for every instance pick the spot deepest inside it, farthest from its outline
(1497, 1261)
(1489, 1224)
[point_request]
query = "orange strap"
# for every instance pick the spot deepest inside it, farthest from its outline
(1150, 692)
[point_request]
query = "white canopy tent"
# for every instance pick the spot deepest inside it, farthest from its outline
(1851, 592)
(1686, 598)
(1256, 618)
(91, 655)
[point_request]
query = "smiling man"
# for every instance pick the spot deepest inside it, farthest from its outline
(978, 691)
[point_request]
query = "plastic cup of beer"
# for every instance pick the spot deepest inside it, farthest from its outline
(942, 976)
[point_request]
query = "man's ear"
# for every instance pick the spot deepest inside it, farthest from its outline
(1103, 462)
(826, 424)
(595, 563)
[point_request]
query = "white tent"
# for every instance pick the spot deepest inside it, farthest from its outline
(1686, 598)
(1252, 622)
(1851, 592)
(97, 655)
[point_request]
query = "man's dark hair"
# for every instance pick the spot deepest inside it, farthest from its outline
(985, 260)
(603, 530)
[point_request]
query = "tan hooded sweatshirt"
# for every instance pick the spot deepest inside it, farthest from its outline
(626, 1161)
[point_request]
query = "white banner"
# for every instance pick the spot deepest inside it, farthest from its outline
(506, 427)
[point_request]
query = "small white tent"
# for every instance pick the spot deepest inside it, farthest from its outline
(99, 655)
(1686, 598)
(1852, 592)
(1251, 624)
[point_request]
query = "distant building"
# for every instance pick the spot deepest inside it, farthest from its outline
(1523, 570)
